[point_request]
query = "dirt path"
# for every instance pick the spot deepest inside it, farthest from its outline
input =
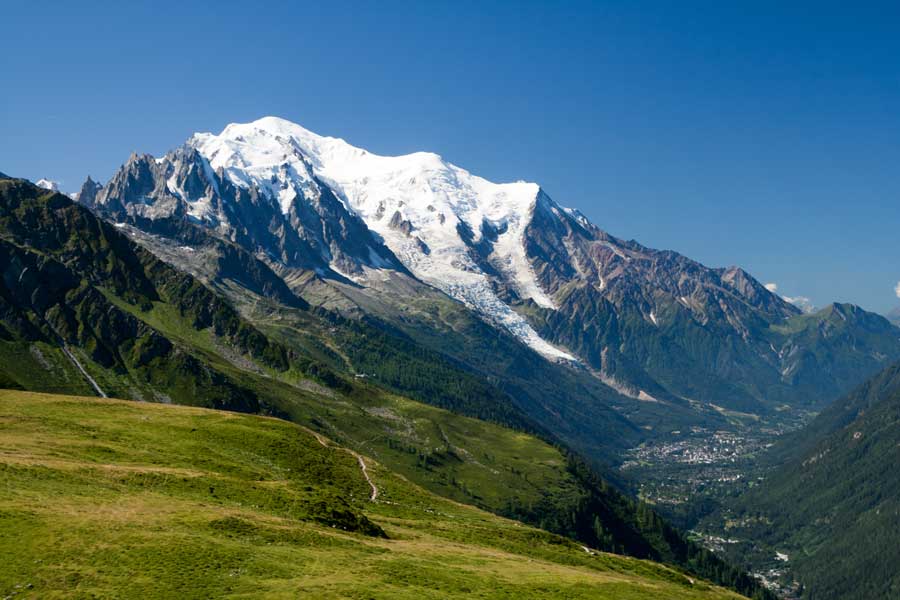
(362, 464)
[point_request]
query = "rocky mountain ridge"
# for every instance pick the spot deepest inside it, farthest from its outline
(653, 325)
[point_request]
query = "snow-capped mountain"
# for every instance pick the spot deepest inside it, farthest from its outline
(309, 201)
(654, 324)
(47, 184)
(313, 231)
(451, 229)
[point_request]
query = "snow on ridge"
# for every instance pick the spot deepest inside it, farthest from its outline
(47, 184)
(418, 203)
(198, 209)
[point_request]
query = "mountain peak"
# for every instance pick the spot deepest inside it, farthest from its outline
(274, 142)
(449, 228)
(47, 184)
(88, 193)
(271, 124)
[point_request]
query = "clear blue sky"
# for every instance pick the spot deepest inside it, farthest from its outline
(748, 133)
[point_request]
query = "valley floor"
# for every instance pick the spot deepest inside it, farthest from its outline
(688, 473)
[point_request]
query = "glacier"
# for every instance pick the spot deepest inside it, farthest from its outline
(428, 212)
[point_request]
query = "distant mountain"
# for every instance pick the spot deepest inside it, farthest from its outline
(358, 232)
(47, 185)
(710, 335)
(894, 316)
(88, 192)
(833, 506)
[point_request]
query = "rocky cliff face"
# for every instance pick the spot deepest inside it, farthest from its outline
(313, 232)
(88, 193)
(655, 322)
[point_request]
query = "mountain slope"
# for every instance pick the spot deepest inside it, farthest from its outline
(104, 294)
(832, 506)
(389, 349)
(134, 295)
(109, 498)
(573, 405)
(66, 278)
(653, 325)
(640, 316)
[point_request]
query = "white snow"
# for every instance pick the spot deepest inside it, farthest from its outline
(47, 184)
(436, 198)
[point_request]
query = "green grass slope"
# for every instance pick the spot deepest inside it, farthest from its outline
(107, 498)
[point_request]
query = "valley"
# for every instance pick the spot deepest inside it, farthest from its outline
(490, 346)
(427, 301)
(681, 471)
(825, 511)
(691, 475)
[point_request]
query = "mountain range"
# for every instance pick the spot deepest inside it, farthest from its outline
(357, 232)
(86, 310)
(479, 339)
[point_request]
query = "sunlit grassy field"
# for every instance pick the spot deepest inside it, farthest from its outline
(108, 498)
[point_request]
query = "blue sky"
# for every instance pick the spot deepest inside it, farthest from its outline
(764, 134)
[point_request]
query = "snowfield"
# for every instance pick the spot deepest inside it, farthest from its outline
(47, 185)
(429, 212)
